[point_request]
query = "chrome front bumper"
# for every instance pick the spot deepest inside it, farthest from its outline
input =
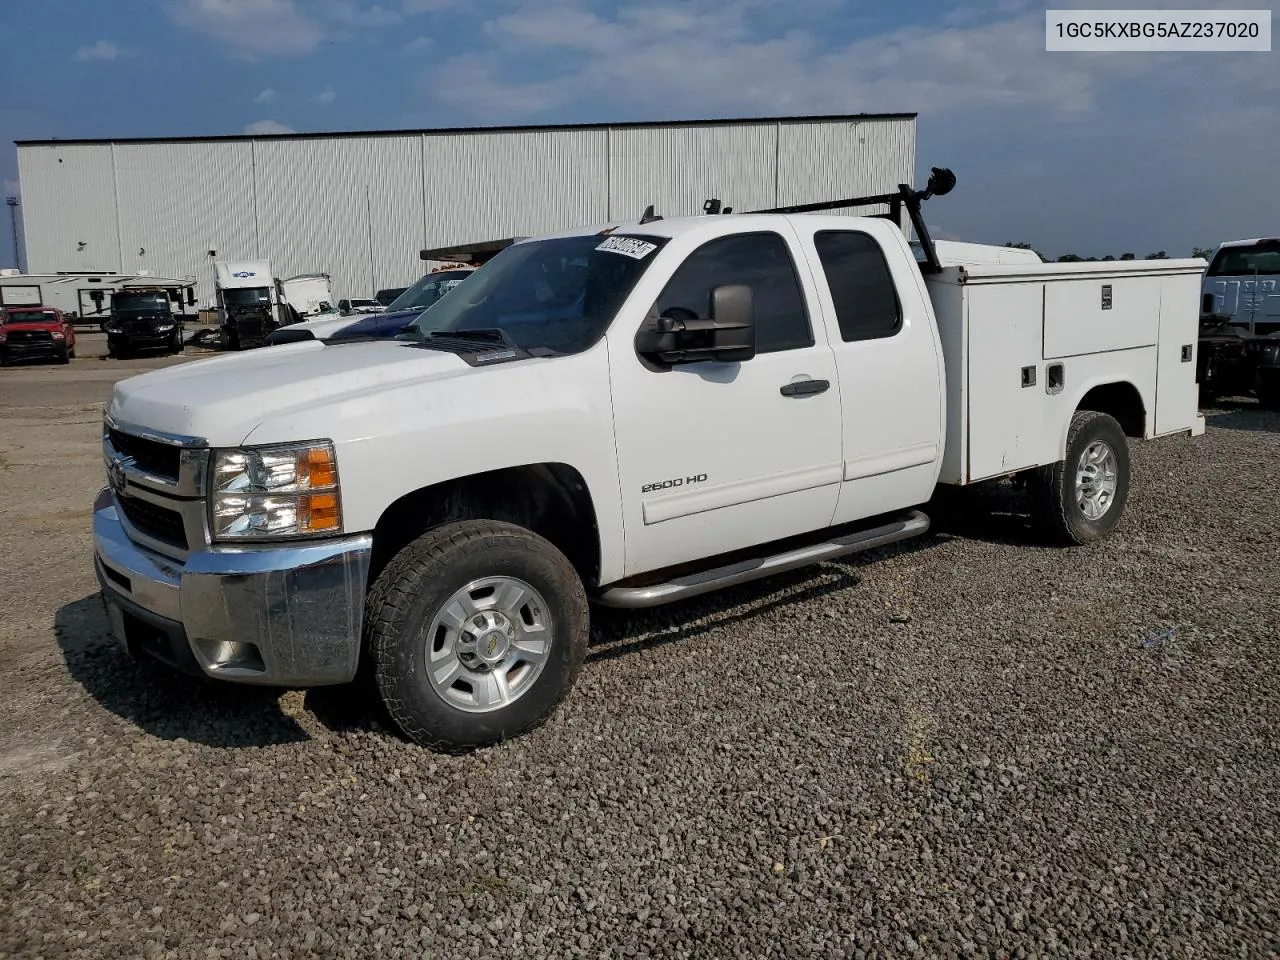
(288, 615)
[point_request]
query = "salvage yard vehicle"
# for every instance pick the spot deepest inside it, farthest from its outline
(142, 318)
(631, 413)
(35, 333)
(387, 324)
(1239, 349)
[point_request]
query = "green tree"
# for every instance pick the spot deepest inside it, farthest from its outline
(1158, 256)
(1127, 256)
(1204, 253)
(1108, 258)
(1070, 258)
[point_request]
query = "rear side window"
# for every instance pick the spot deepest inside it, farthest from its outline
(1244, 261)
(762, 262)
(862, 289)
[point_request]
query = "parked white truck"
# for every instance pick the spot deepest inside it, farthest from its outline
(630, 413)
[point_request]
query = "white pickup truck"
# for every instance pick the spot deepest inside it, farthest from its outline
(630, 413)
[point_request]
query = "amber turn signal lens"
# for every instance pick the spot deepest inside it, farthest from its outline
(319, 512)
(319, 468)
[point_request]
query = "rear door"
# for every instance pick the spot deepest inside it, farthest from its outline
(715, 457)
(888, 360)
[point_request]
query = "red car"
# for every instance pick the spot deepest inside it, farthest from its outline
(35, 333)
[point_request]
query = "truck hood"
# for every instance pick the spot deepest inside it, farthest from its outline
(222, 399)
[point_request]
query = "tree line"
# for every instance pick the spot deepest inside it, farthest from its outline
(1202, 252)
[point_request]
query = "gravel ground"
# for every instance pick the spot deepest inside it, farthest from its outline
(965, 746)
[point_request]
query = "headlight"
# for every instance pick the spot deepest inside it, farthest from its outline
(283, 491)
(164, 328)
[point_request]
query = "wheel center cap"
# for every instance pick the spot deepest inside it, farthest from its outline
(492, 646)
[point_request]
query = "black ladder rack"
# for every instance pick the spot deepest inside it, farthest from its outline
(941, 182)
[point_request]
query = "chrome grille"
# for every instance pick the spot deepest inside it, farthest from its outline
(158, 459)
(159, 523)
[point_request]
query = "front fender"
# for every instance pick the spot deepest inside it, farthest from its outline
(393, 442)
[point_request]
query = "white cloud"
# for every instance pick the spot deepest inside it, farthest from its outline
(266, 96)
(255, 29)
(352, 14)
(99, 50)
(326, 97)
(417, 45)
(267, 127)
(252, 28)
(411, 7)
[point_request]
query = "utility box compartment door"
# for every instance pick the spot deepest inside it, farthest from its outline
(1006, 378)
(1177, 393)
(1101, 314)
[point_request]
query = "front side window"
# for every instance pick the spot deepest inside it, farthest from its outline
(762, 262)
(862, 287)
(558, 295)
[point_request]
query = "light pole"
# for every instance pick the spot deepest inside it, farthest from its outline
(12, 204)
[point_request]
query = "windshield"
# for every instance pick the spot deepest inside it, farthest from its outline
(1261, 258)
(557, 294)
(139, 302)
(428, 290)
(246, 297)
(29, 316)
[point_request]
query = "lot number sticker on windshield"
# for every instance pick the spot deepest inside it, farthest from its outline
(628, 247)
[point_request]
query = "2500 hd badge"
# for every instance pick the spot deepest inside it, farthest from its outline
(670, 484)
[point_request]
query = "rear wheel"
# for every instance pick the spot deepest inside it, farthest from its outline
(1081, 498)
(476, 632)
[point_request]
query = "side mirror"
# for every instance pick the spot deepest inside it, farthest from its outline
(727, 336)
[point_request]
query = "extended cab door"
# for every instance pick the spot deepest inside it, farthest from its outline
(715, 457)
(889, 362)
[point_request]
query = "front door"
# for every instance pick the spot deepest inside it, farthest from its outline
(714, 457)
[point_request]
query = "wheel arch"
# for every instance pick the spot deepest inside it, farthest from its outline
(551, 499)
(1120, 399)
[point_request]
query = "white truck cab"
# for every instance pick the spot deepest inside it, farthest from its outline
(629, 414)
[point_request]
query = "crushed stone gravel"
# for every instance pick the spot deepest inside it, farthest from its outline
(966, 746)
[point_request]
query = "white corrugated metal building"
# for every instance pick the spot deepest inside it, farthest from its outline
(360, 206)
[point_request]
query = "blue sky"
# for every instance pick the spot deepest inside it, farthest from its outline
(1090, 153)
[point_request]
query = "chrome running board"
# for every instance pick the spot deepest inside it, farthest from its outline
(911, 524)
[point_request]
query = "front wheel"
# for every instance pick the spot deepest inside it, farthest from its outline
(476, 630)
(1080, 499)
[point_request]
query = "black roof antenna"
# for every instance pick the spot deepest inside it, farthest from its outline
(649, 216)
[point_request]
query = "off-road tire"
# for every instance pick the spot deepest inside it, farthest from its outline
(71, 354)
(1269, 398)
(64, 357)
(233, 340)
(1051, 490)
(420, 580)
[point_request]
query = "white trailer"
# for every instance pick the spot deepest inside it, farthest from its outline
(308, 295)
(84, 297)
